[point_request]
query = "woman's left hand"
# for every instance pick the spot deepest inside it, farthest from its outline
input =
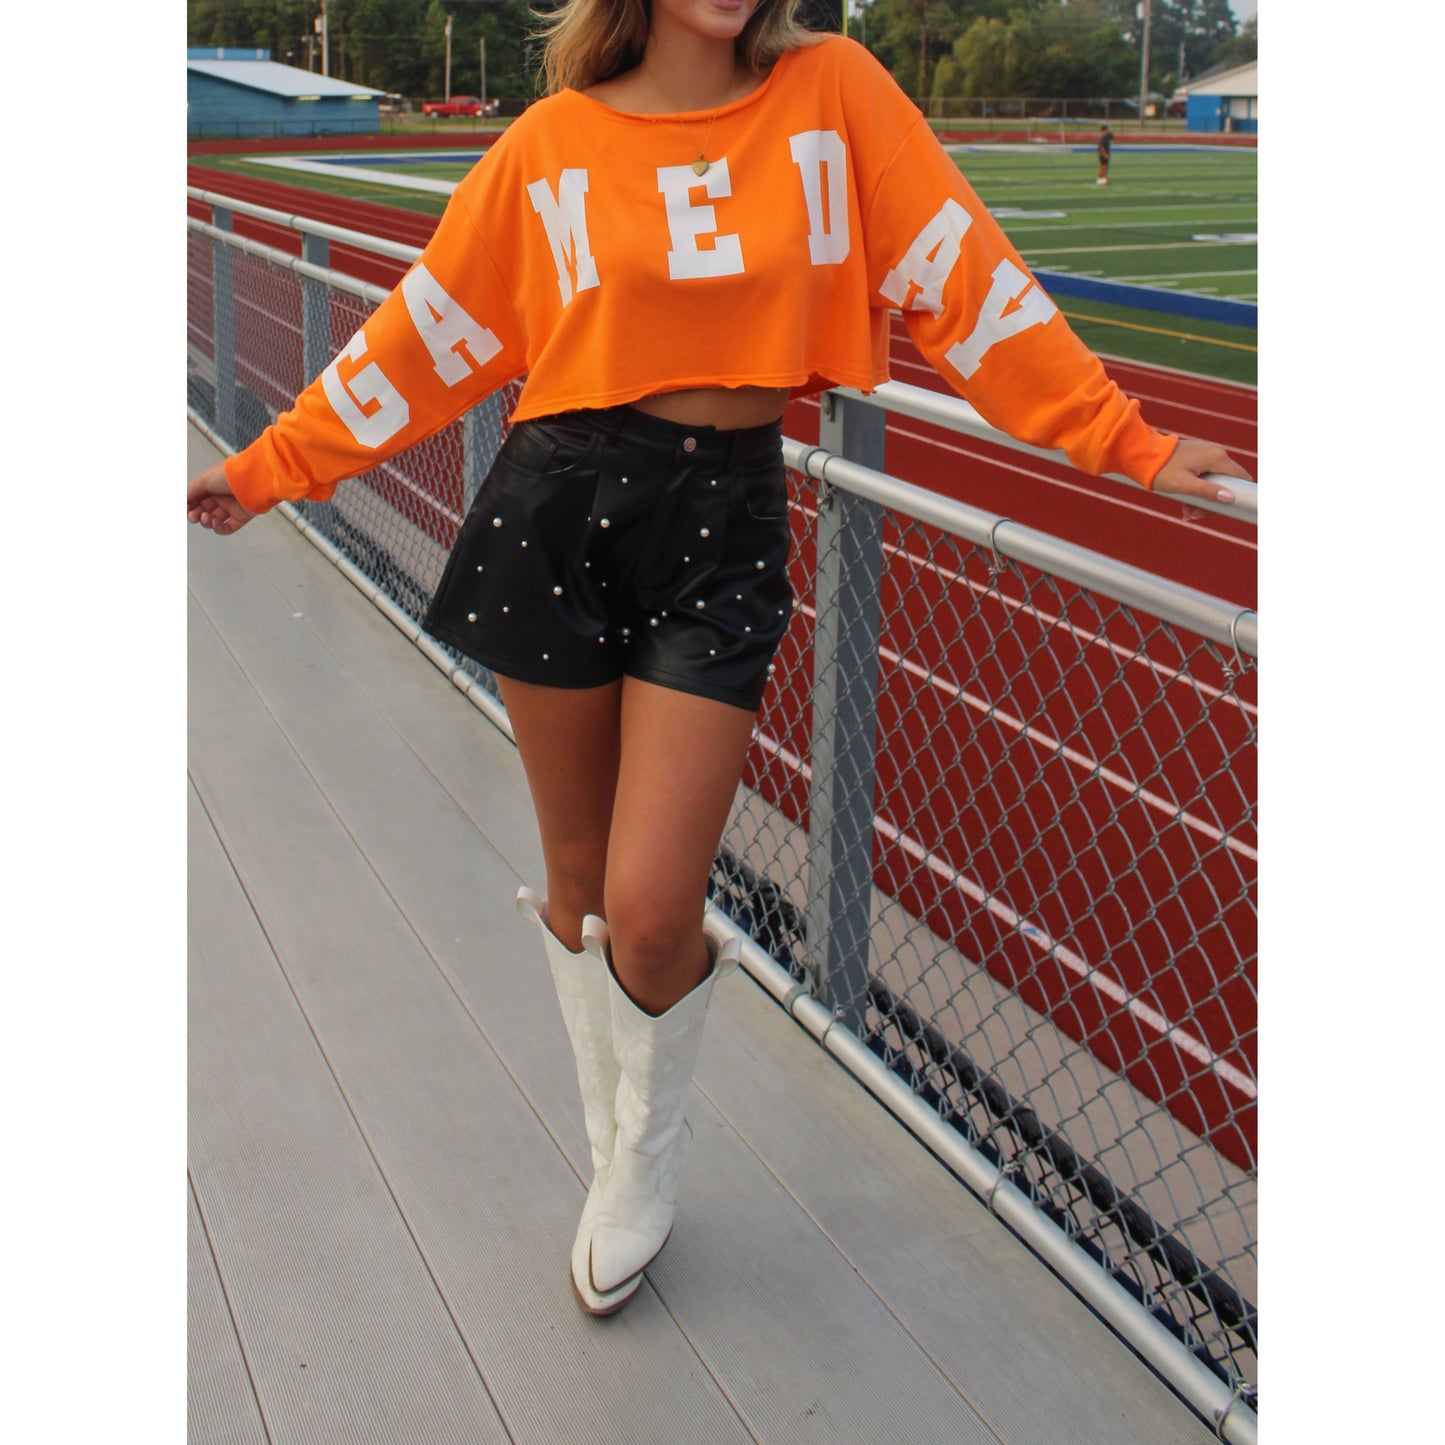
(1184, 473)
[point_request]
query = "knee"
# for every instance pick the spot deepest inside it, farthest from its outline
(652, 942)
(575, 874)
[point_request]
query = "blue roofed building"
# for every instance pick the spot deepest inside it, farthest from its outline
(231, 92)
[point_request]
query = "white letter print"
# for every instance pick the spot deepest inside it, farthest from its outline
(458, 344)
(565, 218)
(928, 262)
(1009, 283)
(816, 152)
(687, 222)
(369, 385)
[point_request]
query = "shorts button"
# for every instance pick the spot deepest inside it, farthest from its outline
(689, 444)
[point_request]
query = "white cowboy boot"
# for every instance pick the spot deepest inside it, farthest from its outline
(584, 994)
(657, 1056)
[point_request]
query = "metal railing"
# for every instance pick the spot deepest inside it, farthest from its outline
(996, 841)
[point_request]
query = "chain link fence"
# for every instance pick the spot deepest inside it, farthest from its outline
(1002, 825)
(1044, 918)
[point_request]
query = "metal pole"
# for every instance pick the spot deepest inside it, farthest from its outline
(1144, 69)
(845, 719)
(448, 94)
(325, 47)
(483, 44)
(223, 332)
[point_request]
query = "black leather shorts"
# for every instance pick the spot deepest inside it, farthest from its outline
(605, 543)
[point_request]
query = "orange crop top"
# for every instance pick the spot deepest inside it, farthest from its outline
(585, 251)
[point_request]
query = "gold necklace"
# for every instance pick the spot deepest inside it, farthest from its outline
(701, 164)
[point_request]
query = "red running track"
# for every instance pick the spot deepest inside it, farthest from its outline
(1035, 802)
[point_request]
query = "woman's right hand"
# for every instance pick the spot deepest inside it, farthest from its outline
(211, 502)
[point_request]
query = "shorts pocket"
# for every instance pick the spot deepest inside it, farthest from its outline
(765, 493)
(545, 448)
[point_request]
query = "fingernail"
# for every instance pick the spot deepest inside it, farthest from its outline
(1224, 495)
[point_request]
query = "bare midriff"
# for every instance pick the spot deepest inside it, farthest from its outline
(727, 408)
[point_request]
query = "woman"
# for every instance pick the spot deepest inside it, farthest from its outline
(711, 212)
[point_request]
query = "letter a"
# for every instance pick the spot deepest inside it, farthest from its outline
(822, 159)
(451, 335)
(1009, 283)
(916, 282)
(565, 218)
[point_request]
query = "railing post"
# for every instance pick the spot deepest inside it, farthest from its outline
(481, 441)
(316, 350)
(223, 335)
(315, 310)
(845, 718)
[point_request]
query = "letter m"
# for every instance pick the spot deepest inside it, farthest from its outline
(565, 217)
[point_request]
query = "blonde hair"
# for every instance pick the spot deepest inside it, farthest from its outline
(586, 41)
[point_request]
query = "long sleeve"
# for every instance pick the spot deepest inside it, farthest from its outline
(976, 312)
(446, 337)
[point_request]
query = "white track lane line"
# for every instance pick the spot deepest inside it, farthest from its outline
(1248, 543)
(1082, 762)
(923, 369)
(1053, 622)
(1110, 988)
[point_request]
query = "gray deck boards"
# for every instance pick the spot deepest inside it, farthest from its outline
(386, 1148)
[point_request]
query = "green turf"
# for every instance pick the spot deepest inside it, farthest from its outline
(1138, 228)
(353, 189)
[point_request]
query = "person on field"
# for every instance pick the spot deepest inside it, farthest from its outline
(1106, 150)
(712, 211)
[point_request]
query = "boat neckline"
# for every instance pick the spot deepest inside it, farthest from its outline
(706, 113)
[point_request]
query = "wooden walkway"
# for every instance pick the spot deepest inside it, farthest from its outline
(386, 1147)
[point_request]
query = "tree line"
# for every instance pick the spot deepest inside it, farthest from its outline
(398, 46)
(1058, 49)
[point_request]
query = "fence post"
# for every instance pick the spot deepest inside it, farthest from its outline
(315, 311)
(845, 718)
(481, 441)
(223, 335)
(316, 352)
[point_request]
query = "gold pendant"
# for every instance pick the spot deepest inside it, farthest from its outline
(701, 164)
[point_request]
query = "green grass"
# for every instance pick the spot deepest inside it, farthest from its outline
(1139, 228)
(353, 189)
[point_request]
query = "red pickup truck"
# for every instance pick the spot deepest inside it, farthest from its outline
(458, 105)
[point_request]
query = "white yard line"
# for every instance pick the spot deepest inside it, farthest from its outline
(396, 179)
(1186, 276)
(1143, 246)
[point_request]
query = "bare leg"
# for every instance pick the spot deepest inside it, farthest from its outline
(568, 740)
(680, 760)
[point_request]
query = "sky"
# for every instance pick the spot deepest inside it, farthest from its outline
(1244, 9)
